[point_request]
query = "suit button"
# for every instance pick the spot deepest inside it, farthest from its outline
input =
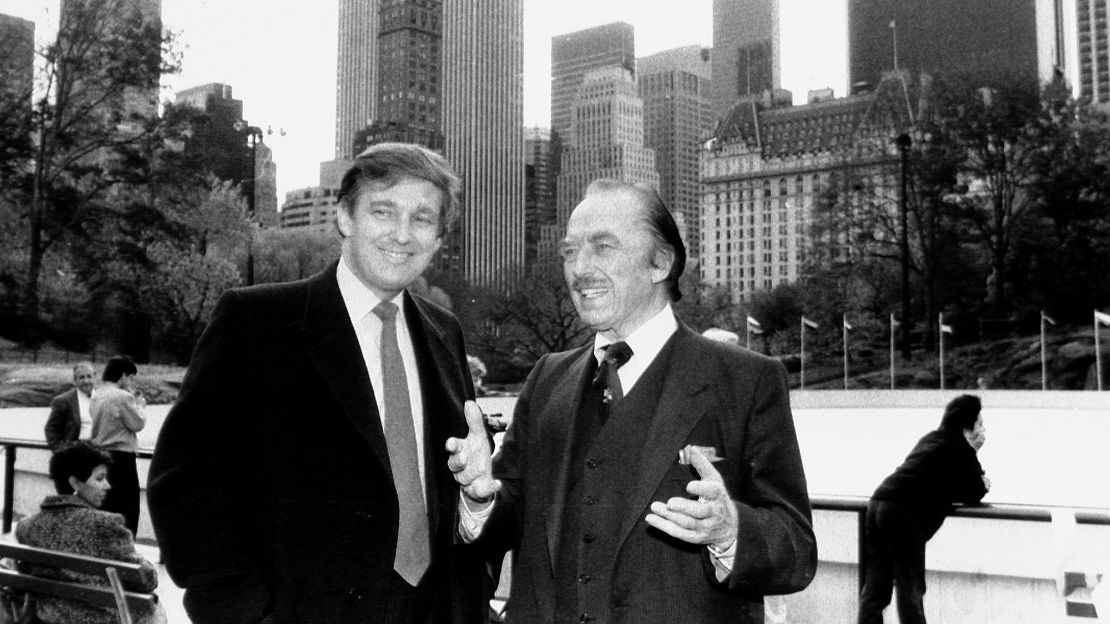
(591, 500)
(364, 515)
(586, 617)
(588, 538)
(585, 578)
(592, 463)
(354, 595)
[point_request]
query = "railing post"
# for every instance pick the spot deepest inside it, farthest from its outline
(9, 486)
(861, 545)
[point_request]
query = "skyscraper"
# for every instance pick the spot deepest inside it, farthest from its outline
(539, 192)
(746, 58)
(356, 80)
(984, 40)
(574, 54)
(483, 110)
(17, 62)
(678, 118)
(410, 33)
(1094, 58)
(606, 139)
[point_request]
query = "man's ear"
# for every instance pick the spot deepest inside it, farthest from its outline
(343, 221)
(661, 262)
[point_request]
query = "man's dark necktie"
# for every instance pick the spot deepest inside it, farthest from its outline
(607, 378)
(413, 550)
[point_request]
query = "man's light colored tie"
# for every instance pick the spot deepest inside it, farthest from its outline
(413, 549)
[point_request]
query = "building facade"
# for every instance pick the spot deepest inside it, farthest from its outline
(410, 37)
(1094, 56)
(539, 191)
(574, 54)
(764, 173)
(985, 40)
(483, 125)
(17, 63)
(356, 75)
(311, 208)
(678, 118)
(746, 56)
(606, 139)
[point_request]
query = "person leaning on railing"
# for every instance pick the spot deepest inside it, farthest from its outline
(910, 505)
(71, 521)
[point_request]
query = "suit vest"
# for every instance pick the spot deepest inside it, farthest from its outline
(604, 466)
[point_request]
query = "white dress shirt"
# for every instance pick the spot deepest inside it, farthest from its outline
(84, 416)
(360, 302)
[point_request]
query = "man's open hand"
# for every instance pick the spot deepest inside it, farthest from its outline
(709, 520)
(470, 458)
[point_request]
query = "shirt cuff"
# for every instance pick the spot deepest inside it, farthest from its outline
(472, 521)
(722, 560)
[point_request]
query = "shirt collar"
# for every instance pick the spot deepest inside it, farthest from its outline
(359, 299)
(648, 339)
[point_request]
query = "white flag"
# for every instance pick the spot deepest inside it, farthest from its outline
(1102, 318)
(1048, 318)
(847, 325)
(808, 323)
(754, 324)
(947, 329)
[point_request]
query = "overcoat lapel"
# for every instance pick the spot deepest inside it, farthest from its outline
(682, 402)
(333, 349)
(565, 405)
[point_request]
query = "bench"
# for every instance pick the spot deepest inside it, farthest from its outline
(115, 572)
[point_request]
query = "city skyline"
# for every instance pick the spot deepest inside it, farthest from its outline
(284, 69)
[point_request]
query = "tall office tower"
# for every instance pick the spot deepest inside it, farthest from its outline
(356, 74)
(984, 40)
(678, 119)
(1094, 57)
(746, 58)
(17, 63)
(104, 15)
(410, 35)
(574, 54)
(606, 139)
(483, 124)
(539, 194)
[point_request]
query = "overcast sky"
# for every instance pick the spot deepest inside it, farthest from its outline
(279, 56)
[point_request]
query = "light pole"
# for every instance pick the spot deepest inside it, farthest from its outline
(903, 142)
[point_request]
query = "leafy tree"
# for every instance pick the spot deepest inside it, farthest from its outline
(287, 255)
(95, 106)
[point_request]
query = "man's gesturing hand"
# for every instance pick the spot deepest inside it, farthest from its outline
(470, 457)
(709, 520)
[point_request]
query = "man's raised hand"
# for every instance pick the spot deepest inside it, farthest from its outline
(470, 458)
(709, 520)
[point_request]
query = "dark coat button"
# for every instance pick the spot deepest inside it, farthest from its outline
(354, 595)
(588, 538)
(585, 578)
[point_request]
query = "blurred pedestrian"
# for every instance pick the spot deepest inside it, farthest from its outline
(69, 418)
(118, 413)
(910, 505)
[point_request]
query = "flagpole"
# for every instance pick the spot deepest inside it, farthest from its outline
(802, 374)
(748, 333)
(844, 324)
(891, 350)
(894, 40)
(1044, 365)
(940, 325)
(1098, 356)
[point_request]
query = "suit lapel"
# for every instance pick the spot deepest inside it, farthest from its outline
(564, 405)
(682, 402)
(333, 349)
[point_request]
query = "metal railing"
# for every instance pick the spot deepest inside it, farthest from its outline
(1022, 513)
(10, 445)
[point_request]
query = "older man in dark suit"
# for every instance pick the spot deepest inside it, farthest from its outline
(652, 475)
(302, 475)
(69, 417)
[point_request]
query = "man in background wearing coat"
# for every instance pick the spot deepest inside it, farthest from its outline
(302, 475)
(69, 418)
(652, 475)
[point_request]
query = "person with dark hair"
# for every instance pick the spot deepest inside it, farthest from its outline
(910, 505)
(302, 474)
(72, 522)
(118, 413)
(69, 417)
(650, 476)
